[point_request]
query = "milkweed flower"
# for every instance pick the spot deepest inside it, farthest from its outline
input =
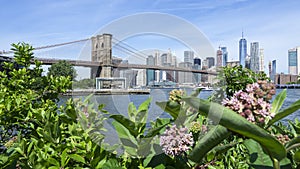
(254, 102)
(175, 95)
(176, 141)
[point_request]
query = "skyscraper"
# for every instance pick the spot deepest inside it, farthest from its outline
(254, 56)
(273, 72)
(261, 60)
(242, 50)
(247, 62)
(219, 58)
(224, 56)
(294, 60)
(197, 65)
(150, 74)
(188, 56)
(210, 62)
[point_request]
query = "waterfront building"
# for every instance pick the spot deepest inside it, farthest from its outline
(157, 60)
(188, 56)
(204, 77)
(219, 58)
(282, 79)
(210, 62)
(243, 50)
(167, 60)
(273, 70)
(261, 60)
(185, 77)
(150, 73)
(174, 61)
(197, 66)
(164, 59)
(294, 61)
(130, 76)
(247, 62)
(254, 56)
(150, 60)
(169, 57)
(224, 56)
(270, 69)
(141, 77)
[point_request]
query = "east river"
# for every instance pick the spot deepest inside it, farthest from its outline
(118, 104)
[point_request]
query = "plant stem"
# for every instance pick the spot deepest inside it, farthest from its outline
(276, 164)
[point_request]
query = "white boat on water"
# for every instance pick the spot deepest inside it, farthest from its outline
(204, 88)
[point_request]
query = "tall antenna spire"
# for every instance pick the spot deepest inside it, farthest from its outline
(242, 34)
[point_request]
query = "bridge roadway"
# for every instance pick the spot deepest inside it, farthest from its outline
(125, 66)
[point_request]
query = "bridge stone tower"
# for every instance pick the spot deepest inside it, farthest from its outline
(102, 52)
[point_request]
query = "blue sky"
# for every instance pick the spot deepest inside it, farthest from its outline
(274, 24)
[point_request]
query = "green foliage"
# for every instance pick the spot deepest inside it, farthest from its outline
(287, 111)
(138, 142)
(84, 84)
(238, 124)
(35, 132)
(260, 159)
(62, 68)
(210, 140)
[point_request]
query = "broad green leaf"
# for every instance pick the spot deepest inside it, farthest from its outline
(297, 156)
(131, 111)
(294, 128)
(18, 149)
(64, 157)
(127, 123)
(100, 164)
(155, 131)
(77, 158)
(259, 159)
(29, 147)
(173, 108)
(142, 112)
(54, 167)
(236, 123)
(278, 101)
(53, 161)
(283, 113)
(128, 141)
(212, 138)
(112, 163)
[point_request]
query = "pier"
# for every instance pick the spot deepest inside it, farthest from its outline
(82, 92)
(288, 86)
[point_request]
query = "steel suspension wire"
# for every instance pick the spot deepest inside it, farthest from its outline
(50, 46)
(128, 46)
(128, 51)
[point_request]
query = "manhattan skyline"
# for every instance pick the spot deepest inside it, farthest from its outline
(271, 23)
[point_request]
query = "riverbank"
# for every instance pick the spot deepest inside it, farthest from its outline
(80, 92)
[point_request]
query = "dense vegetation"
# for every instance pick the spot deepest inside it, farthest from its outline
(62, 68)
(237, 128)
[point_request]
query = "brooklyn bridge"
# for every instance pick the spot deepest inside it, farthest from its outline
(102, 63)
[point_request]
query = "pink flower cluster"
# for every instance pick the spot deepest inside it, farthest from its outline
(253, 103)
(176, 141)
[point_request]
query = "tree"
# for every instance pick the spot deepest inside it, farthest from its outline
(85, 84)
(62, 68)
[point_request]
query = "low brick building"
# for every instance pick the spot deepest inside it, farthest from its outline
(285, 78)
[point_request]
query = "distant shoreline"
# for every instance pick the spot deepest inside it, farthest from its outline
(80, 92)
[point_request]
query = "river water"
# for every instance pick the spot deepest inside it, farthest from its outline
(117, 104)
